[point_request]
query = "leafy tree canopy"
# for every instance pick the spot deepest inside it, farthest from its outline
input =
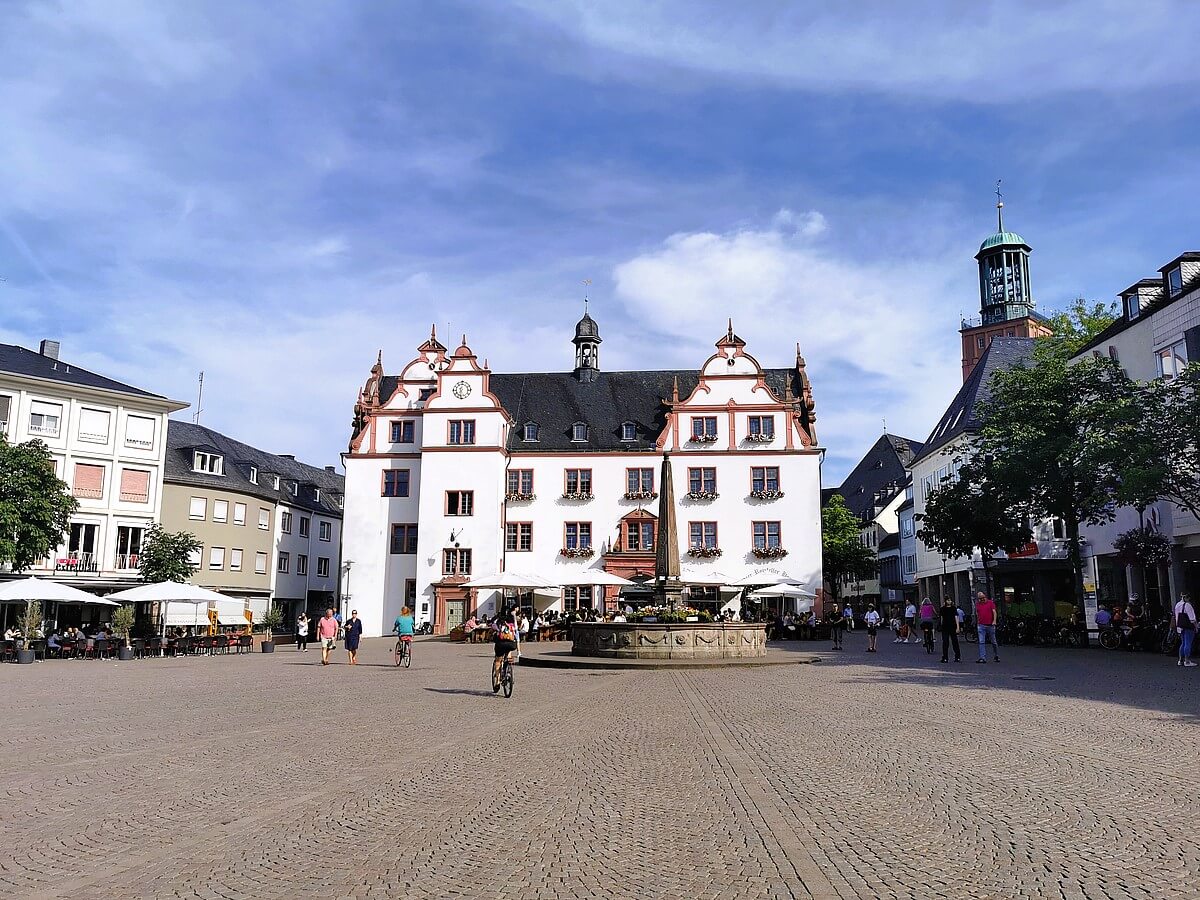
(974, 511)
(35, 505)
(843, 553)
(167, 555)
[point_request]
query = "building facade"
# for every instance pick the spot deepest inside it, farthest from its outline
(270, 526)
(1157, 333)
(108, 442)
(455, 472)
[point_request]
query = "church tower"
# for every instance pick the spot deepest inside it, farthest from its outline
(1006, 307)
(587, 348)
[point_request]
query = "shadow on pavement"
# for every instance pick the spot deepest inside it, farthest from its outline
(462, 691)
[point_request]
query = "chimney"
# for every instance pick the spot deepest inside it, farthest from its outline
(49, 349)
(330, 470)
(290, 456)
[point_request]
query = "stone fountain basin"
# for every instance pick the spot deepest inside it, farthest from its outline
(669, 640)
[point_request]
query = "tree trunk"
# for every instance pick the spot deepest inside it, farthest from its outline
(1076, 558)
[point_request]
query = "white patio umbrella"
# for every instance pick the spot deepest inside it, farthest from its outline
(506, 580)
(765, 576)
(783, 589)
(703, 576)
(28, 589)
(171, 592)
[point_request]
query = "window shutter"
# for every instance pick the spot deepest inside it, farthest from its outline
(93, 425)
(135, 486)
(89, 481)
(139, 432)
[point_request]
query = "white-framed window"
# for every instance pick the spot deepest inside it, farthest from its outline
(906, 527)
(518, 537)
(325, 529)
(910, 564)
(45, 419)
(316, 495)
(253, 475)
(208, 463)
(216, 557)
(239, 514)
(301, 564)
(304, 520)
(1174, 281)
(628, 431)
(93, 425)
(196, 558)
(323, 566)
(139, 432)
(579, 432)
(461, 431)
(762, 426)
(275, 482)
(1171, 360)
(455, 561)
(235, 560)
(531, 432)
(264, 518)
(198, 508)
(704, 428)
(285, 522)
(283, 562)
(260, 563)
(220, 510)
(5, 413)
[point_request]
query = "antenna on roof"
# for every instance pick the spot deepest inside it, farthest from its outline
(587, 283)
(199, 400)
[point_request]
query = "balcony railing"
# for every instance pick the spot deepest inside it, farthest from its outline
(77, 561)
(135, 442)
(135, 497)
(90, 493)
(48, 430)
(127, 561)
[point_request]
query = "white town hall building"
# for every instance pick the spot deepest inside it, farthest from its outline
(455, 472)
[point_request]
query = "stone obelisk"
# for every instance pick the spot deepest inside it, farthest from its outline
(668, 589)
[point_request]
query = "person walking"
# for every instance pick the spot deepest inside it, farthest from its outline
(302, 632)
(327, 632)
(848, 617)
(985, 622)
(837, 623)
(910, 622)
(872, 620)
(1183, 617)
(352, 634)
(948, 620)
(926, 615)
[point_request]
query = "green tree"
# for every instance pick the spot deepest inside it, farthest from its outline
(1172, 431)
(167, 555)
(35, 505)
(974, 511)
(842, 552)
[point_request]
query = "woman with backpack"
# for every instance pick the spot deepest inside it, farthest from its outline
(1183, 616)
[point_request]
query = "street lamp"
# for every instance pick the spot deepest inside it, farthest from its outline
(344, 600)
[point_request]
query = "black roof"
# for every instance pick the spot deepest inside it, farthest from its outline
(183, 438)
(1163, 300)
(882, 469)
(962, 415)
(20, 361)
(889, 542)
(556, 401)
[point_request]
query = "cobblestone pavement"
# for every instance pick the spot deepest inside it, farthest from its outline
(863, 776)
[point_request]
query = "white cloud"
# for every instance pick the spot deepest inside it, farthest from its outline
(991, 53)
(878, 334)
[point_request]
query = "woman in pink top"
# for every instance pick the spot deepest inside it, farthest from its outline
(327, 629)
(926, 617)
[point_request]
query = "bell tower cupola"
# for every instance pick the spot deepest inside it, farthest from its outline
(1004, 292)
(587, 347)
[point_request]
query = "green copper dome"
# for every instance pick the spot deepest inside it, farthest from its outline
(1003, 237)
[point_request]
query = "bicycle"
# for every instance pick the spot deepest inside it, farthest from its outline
(403, 653)
(1111, 637)
(506, 675)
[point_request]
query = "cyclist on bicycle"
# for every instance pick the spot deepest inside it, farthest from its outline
(403, 628)
(508, 640)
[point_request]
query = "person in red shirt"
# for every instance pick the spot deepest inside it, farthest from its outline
(985, 622)
(327, 630)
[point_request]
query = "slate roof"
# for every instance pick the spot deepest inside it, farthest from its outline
(962, 415)
(557, 400)
(889, 542)
(883, 465)
(184, 437)
(1123, 322)
(19, 361)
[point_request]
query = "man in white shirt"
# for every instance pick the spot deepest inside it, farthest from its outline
(910, 622)
(1183, 617)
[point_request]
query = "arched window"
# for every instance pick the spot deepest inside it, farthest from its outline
(628, 431)
(531, 431)
(579, 432)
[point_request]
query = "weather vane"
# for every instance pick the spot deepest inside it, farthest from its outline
(999, 206)
(587, 283)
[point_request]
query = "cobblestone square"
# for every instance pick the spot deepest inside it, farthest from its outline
(1052, 774)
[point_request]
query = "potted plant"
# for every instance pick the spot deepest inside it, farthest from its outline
(271, 619)
(123, 618)
(28, 623)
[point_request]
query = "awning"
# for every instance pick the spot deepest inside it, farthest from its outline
(26, 590)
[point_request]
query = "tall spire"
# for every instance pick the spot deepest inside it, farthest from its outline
(999, 207)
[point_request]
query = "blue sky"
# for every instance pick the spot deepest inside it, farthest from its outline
(272, 192)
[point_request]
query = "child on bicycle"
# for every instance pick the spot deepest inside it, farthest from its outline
(507, 641)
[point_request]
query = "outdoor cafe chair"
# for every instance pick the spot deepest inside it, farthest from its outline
(101, 649)
(245, 644)
(8, 650)
(39, 648)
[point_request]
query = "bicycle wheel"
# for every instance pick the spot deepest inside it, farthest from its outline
(507, 677)
(398, 653)
(1110, 639)
(407, 655)
(970, 635)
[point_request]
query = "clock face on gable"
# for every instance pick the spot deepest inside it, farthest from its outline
(461, 390)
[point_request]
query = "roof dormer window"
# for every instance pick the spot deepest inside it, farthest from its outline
(295, 488)
(579, 432)
(1175, 282)
(317, 494)
(253, 475)
(275, 482)
(531, 431)
(208, 463)
(628, 431)
(1133, 306)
